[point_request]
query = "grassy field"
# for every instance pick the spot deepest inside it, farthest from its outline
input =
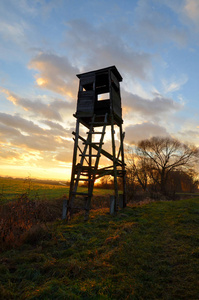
(148, 251)
(11, 189)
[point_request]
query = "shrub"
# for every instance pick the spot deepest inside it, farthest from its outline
(35, 234)
(23, 219)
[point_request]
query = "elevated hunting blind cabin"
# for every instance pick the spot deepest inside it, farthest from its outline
(98, 106)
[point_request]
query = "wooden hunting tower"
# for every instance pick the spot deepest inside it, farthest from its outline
(98, 106)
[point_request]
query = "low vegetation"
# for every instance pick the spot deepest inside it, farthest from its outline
(12, 189)
(146, 251)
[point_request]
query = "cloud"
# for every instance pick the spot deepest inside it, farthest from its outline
(174, 84)
(9, 154)
(138, 132)
(55, 73)
(16, 131)
(149, 107)
(190, 136)
(155, 26)
(50, 110)
(187, 12)
(39, 143)
(191, 9)
(12, 32)
(54, 125)
(42, 7)
(98, 47)
(20, 123)
(7, 133)
(14, 137)
(66, 155)
(56, 129)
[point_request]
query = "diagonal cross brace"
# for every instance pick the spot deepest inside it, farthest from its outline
(104, 152)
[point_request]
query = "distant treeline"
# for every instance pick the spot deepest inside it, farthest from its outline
(42, 181)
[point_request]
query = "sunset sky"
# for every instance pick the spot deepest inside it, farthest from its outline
(43, 45)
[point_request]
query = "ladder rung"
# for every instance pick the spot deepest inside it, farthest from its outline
(82, 172)
(90, 155)
(84, 167)
(78, 166)
(91, 132)
(95, 132)
(83, 179)
(85, 173)
(98, 143)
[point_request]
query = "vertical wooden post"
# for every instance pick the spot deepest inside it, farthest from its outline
(114, 164)
(70, 202)
(113, 144)
(88, 198)
(64, 211)
(112, 205)
(123, 167)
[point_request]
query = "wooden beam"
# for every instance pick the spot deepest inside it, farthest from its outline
(104, 152)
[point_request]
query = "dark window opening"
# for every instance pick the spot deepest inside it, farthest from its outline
(102, 83)
(87, 87)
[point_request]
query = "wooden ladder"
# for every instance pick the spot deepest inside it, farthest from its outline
(87, 168)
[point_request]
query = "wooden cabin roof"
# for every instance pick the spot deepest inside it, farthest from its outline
(112, 68)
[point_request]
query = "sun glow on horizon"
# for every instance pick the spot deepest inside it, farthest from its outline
(36, 172)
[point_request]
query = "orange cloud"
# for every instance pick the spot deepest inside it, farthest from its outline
(55, 73)
(41, 81)
(10, 97)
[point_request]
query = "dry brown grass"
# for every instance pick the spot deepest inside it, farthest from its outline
(23, 216)
(26, 220)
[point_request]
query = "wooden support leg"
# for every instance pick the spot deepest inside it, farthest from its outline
(114, 165)
(123, 167)
(87, 208)
(88, 199)
(70, 200)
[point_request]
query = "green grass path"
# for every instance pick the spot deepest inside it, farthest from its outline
(146, 252)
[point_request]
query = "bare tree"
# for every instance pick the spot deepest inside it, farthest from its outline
(165, 155)
(137, 169)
